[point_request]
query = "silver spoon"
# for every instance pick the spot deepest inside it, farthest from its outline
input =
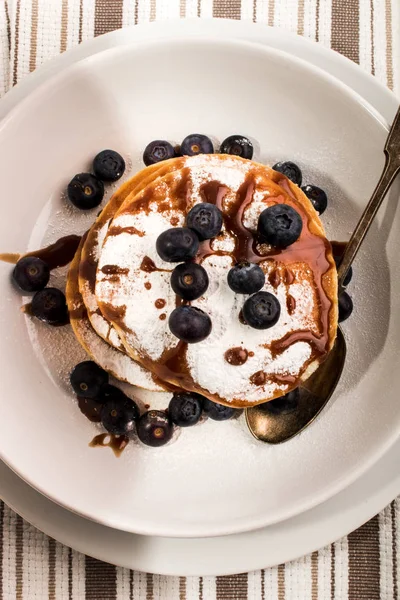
(276, 425)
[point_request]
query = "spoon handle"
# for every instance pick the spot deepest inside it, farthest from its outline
(391, 169)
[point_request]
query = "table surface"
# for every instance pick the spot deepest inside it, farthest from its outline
(361, 566)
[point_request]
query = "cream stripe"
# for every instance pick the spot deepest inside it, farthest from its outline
(209, 588)
(380, 40)
(166, 587)
(4, 51)
(192, 588)
(342, 569)
(144, 9)
(128, 13)
(207, 9)
(191, 9)
(35, 565)
(324, 573)
(365, 36)
(310, 23)
(78, 575)
(73, 23)
(298, 579)
(49, 30)
(396, 48)
(271, 583)
(262, 11)
(170, 10)
(139, 586)
(386, 554)
(88, 11)
(123, 583)
(325, 22)
(247, 10)
(9, 554)
(62, 586)
(286, 15)
(254, 585)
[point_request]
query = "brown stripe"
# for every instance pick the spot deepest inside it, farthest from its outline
(34, 28)
(345, 36)
(64, 26)
(317, 21)
(227, 9)
(19, 558)
(70, 574)
(263, 585)
(389, 44)
(314, 576)
(149, 587)
(372, 38)
(52, 569)
(101, 580)
(182, 9)
(16, 42)
(333, 552)
(80, 20)
(254, 11)
(281, 582)
(300, 18)
(107, 16)
(233, 587)
(271, 12)
(152, 10)
(130, 585)
(136, 12)
(200, 588)
(8, 25)
(1, 547)
(364, 566)
(199, 8)
(182, 588)
(394, 548)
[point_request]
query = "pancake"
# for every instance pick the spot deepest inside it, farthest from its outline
(134, 294)
(114, 362)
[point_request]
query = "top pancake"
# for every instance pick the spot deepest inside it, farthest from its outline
(131, 278)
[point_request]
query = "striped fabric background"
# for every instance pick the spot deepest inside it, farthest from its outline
(362, 566)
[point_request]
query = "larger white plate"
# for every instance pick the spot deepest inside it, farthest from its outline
(237, 484)
(265, 547)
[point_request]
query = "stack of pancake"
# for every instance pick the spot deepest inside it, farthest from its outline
(120, 297)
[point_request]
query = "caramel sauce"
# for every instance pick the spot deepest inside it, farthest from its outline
(236, 356)
(117, 443)
(60, 253)
(162, 317)
(10, 257)
(117, 229)
(288, 277)
(241, 318)
(251, 353)
(290, 304)
(174, 221)
(148, 266)
(274, 278)
(147, 285)
(259, 378)
(160, 303)
(27, 309)
(114, 270)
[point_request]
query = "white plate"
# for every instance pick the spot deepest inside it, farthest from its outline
(266, 547)
(293, 111)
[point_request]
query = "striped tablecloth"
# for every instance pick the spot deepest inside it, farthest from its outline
(362, 566)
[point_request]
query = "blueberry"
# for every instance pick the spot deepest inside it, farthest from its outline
(196, 143)
(205, 219)
(283, 405)
(157, 151)
(345, 306)
(87, 379)
(177, 244)
(317, 197)
(185, 408)
(262, 310)
(349, 274)
(31, 274)
(119, 414)
(108, 165)
(190, 324)
(290, 170)
(154, 428)
(218, 412)
(280, 225)
(246, 278)
(189, 281)
(49, 305)
(85, 191)
(238, 145)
